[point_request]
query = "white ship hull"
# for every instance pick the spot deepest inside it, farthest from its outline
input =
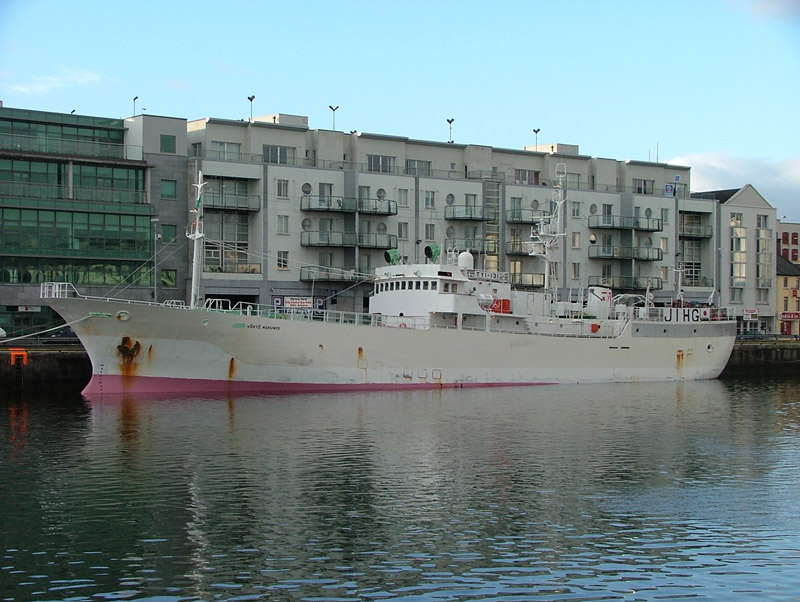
(141, 348)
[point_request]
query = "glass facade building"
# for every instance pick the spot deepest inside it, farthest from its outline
(73, 207)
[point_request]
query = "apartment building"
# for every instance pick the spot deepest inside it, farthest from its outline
(302, 217)
(746, 247)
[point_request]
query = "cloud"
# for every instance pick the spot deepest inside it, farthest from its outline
(777, 181)
(775, 9)
(44, 84)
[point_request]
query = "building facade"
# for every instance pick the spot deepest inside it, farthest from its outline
(302, 217)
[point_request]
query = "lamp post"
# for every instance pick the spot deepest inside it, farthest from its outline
(450, 123)
(536, 133)
(251, 99)
(332, 108)
(156, 236)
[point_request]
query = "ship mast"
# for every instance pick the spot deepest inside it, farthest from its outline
(196, 234)
(547, 229)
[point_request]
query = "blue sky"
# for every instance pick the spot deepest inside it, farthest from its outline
(714, 84)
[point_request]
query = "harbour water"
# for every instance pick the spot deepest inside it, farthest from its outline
(611, 492)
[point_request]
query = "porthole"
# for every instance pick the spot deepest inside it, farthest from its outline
(306, 224)
(709, 347)
(592, 208)
(306, 189)
(123, 316)
(535, 205)
(450, 199)
(381, 194)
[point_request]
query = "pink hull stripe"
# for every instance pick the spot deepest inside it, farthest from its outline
(159, 386)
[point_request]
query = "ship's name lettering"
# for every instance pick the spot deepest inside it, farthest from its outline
(682, 314)
(263, 327)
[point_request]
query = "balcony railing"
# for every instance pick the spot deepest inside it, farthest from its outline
(377, 206)
(231, 267)
(226, 200)
(475, 245)
(69, 146)
(377, 241)
(328, 239)
(612, 252)
(329, 203)
(527, 280)
(518, 247)
(328, 274)
(697, 281)
(79, 193)
(654, 283)
(468, 212)
(693, 231)
(622, 222)
(524, 216)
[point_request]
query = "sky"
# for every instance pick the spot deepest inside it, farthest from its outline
(712, 84)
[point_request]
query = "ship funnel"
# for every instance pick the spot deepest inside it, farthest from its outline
(392, 256)
(432, 252)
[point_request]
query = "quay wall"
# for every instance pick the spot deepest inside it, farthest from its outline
(68, 366)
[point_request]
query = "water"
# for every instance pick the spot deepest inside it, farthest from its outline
(613, 492)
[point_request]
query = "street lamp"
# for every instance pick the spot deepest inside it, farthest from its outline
(251, 99)
(450, 123)
(536, 132)
(332, 108)
(156, 236)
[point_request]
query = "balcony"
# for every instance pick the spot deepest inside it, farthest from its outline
(27, 190)
(377, 241)
(524, 216)
(69, 147)
(518, 247)
(468, 212)
(621, 222)
(475, 245)
(697, 281)
(527, 280)
(640, 253)
(328, 274)
(337, 204)
(695, 231)
(328, 239)
(377, 206)
(654, 283)
(224, 200)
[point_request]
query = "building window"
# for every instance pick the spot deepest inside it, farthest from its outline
(402, 197)
(169, 189)
(227, 151)
(794, 254)
(761, 221)
(664, 216)
(416, 167)
(402, 230)
(786, 304)
(283, 260)
(576, 240)
(283, 224)
(280, 155)
(169, 232)
(430, 232)
(643, 186)
(736, 295)
(573, 181)
(762, 295)
(794, 238)
(576, 271)
(576, 208)
(169, 278)
(282, 189)
(380, 163)
(167, 144)
(665, 245)
(526, 176)
(430, 199)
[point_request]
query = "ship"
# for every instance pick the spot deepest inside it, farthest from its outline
(438, 324)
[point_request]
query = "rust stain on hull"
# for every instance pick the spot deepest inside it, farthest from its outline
(231, 369)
